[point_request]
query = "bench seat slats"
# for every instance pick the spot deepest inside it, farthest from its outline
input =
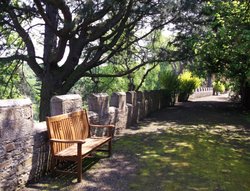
(89, 145)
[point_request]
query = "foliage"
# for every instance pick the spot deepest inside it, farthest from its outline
(170, 82)
(63, 41)
(224, 47)
(9, 81)
(188, 84)
(18, 81)
(219, 87)
(184, 84)
(86, 85)
(144, 78)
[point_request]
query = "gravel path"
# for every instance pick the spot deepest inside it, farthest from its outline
(117, 172)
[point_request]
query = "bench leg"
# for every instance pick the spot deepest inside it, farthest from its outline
(110, 148)
(79, 170)
(79, 162)
(53, 165)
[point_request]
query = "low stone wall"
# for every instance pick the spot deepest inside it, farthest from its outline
(24, 147)
(202, 92)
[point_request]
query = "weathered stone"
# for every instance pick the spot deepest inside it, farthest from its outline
(65, 104)
(9, 147)
(129, 115)
(141, 100)
(4, 165)
(16, 122)
(99, 103)
(14, 115)
(118, 100)
(93, 117)
(131, 98)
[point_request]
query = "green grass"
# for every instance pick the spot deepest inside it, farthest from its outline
(190, 158)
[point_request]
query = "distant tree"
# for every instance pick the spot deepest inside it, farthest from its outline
(63, 40)
(224, 49)
(214, 39)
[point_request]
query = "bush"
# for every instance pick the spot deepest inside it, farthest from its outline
(170, 82)
(188, 84)
(218, 87)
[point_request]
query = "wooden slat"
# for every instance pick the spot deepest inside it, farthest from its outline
(89, 145)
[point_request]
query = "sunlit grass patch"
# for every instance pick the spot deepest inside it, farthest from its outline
(190, 158)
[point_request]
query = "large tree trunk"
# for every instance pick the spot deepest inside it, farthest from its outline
(44, 109)
(47, 92)
(51, 85)
(245, 96)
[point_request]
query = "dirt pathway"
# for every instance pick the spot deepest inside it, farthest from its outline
(199, 145)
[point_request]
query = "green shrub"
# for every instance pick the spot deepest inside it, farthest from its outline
(219, 87)
(170, 82)
(188, 84)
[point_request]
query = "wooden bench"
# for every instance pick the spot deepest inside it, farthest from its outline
(71, 140)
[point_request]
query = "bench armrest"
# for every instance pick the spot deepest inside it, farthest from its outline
(67, 141)
(102, 126)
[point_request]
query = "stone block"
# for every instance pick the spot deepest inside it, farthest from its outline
(131, 97)
(129, 115)
(118, 100)
(16, 119)
(141, 98)
(65, 104)
(120, 119)
(99, 103)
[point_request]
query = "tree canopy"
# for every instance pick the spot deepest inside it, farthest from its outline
(62, 41)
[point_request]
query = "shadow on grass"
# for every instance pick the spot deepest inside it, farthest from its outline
(194, 146)
(202, 113)
(189, 158)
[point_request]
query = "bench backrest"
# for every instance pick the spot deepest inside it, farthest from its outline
(71, 126)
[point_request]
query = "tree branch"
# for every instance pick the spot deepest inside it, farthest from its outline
(144, 76)
(29, 44)
(12, 58)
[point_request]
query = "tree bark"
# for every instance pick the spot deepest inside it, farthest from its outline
(51, 85)
(245, 96)
(45, 96)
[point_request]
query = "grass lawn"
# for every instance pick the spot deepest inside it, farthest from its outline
(192, 157)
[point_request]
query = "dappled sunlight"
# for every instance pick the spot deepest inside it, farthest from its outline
(190, 157)
(184, 144)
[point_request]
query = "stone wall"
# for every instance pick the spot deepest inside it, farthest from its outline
(16, 130)
(24, 148)
(202, 92)
(124, 109)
